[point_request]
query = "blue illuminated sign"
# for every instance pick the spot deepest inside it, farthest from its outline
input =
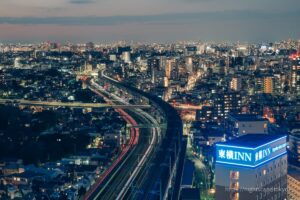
(250, 157)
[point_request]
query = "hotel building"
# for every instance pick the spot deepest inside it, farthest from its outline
(252, 167)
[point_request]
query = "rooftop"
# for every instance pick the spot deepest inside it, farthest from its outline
(252, 140)
(294, 172)
(247, 117)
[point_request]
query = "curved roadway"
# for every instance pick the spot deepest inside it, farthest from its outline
(162, 178)
(113, 186)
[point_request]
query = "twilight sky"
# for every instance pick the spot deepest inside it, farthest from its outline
(148, 20)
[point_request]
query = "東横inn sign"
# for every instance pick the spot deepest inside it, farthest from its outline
(250, 157)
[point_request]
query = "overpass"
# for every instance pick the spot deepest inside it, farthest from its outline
(68, 104)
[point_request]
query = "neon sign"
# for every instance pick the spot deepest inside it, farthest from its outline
(250, 157)
(234, 155)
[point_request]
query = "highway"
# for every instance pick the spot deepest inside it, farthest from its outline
(68, 104)
(162, 178)
(118, 180)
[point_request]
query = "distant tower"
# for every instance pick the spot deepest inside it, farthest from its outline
(166, 82)
(126, 56)
(162, 62)
(17, 63)
(189, 64)
(152, 75)
(169, 64)
(295, 73)
(35, 54)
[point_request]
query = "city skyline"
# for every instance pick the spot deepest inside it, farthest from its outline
(149, 99)
(155, 21)
(208, 120)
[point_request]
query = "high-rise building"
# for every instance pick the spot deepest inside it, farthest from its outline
(201, 49)
(162, 62)
(126, 57)
(226, 103)
(166, 82)
(17, 62)
(189, 64)
(259, 84)
(169, 65)
(295, 74)
(252, 167)
(268, 85)
(294, 147)
(153, 65)
(153, 74)
(236, 84)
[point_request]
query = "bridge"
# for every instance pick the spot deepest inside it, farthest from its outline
(68, 104)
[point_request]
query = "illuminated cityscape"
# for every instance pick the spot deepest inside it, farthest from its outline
(156, 100)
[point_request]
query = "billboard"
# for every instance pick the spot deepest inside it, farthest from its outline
(250, 157)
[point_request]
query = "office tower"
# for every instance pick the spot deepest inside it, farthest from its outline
(153, 75)
(162, 62)
(169, 65)
(17, 63)
(153, 65)
(201, 49)
(189, 64)
(166, 82)
(252, 167)
(236, 84)
(295, 74)
(268, 85)
(126, 57)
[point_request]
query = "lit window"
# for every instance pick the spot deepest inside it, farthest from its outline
(235, 186)
(234, 174)
(235, 196)
(264, 172)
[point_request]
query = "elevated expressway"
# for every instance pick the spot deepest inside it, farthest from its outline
(67, 104)
(111, 184)
(158, 174)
